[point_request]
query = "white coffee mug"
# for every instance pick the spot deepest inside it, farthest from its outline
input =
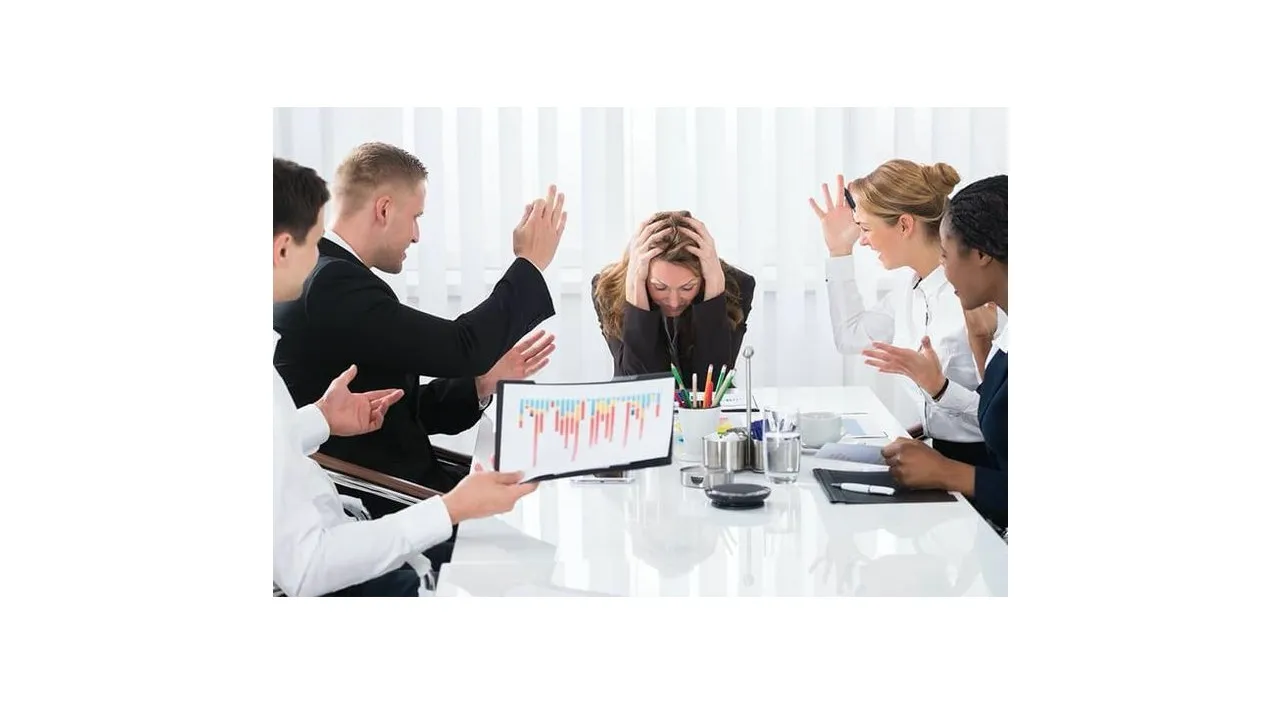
(817, 428)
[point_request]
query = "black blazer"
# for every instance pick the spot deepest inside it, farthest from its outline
(991, 480)
(704, 337)
(348, 315)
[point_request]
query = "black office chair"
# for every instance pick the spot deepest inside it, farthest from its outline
(371, 481)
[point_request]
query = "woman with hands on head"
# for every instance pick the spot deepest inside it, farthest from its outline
(672, 300)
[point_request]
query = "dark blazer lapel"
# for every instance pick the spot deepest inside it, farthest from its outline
(997, 377)
(333, 250)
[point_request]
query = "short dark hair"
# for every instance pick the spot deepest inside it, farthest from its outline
(299, 195)
(979, 217)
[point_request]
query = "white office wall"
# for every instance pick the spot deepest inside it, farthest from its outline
(746, 172)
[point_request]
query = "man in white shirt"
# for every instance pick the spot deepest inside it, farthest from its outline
(318, 549)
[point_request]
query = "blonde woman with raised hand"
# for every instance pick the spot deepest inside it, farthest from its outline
(896, 210)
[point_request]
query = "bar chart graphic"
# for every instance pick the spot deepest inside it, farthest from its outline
(582, 426)
(597, 417)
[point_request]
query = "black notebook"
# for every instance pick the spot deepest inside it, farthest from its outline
(827, 477)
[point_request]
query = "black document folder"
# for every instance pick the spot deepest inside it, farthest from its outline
(827, 477)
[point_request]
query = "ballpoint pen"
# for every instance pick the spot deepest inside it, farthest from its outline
(865, 488)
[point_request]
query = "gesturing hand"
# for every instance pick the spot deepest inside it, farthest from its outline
(838, 228)
(520, 362)
(354, 414)
(537, 236)
(923, 366)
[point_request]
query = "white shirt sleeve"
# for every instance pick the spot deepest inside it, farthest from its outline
(313, 429)
(317, 548)
(853, 325)
(958, 401)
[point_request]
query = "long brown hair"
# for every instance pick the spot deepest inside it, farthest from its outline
(673, 247)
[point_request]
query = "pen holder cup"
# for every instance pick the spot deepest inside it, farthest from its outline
(696, 424)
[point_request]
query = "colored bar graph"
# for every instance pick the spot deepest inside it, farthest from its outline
(600, 415)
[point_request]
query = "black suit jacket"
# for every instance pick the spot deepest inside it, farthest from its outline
(991, 480)
(348, 315)
(705, 336)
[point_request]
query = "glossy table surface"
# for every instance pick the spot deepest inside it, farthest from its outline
(655, 537)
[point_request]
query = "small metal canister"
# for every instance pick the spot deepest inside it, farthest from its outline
(749, 457)
(757, 457)
(729, 452)
(695, 476)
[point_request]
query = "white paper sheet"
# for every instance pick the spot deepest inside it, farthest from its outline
(557, 428)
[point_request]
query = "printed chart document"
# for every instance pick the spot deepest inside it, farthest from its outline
(550, 431)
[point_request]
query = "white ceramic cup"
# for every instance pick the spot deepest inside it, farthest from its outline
(695, 424)
(818, 428)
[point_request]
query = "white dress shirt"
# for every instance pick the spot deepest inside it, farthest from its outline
(918, 307)
(337, 239)
(1002, 336)
(318, 549)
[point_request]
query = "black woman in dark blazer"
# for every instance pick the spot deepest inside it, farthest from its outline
(975, 256)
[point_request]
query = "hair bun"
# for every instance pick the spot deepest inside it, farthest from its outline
(941, 177)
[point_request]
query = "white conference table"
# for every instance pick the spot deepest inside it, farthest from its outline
(656, 537)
